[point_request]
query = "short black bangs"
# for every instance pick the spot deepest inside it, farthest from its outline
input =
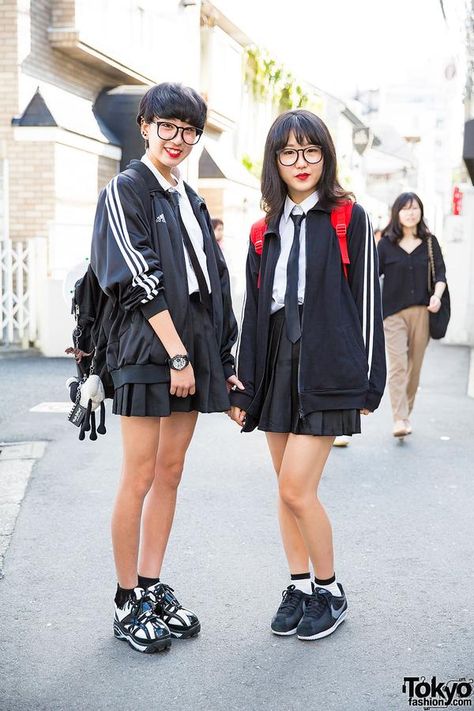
(173, 101)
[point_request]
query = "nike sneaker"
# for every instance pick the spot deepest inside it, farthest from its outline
(323, 614)
(290, 612)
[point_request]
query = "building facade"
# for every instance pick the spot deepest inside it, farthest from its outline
(72, 76)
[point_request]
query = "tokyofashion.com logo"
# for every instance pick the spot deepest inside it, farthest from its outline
(437, 694)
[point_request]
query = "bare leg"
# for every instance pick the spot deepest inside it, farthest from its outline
(176, 432)
(300, 473)
(140, 437)
(293, 542)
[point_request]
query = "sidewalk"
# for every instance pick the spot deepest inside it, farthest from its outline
(402, 519)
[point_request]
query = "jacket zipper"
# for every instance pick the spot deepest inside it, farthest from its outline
(300, 407)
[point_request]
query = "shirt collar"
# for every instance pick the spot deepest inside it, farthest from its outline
(306, 205)
(162, 181)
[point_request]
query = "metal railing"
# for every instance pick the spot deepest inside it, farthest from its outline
(18, 292)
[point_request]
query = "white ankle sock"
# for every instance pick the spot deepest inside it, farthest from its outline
(333, 587)
(303, 584)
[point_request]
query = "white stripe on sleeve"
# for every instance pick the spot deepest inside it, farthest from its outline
(133, 258)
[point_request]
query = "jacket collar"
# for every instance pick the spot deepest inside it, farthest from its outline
(151, 181)
(155, 186)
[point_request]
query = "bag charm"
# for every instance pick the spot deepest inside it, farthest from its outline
(87, 395)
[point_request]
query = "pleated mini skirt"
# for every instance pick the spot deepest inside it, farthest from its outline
(280, 410)
(154, 399)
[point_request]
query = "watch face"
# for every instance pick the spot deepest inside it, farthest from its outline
(180, 362)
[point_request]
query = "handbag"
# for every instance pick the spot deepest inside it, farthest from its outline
(440, 320)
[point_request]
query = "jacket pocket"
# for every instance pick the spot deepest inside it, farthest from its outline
(337, 363)
(138, 343)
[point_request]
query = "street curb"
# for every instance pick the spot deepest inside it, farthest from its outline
(17, 460)
(7, 353)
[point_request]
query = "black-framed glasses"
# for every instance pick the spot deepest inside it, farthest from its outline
(289, 156)
(167, 131)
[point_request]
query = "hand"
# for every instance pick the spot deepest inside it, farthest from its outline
(233, 382)
(182, 382)
(435, 304)
(365, 411)
(238, 415)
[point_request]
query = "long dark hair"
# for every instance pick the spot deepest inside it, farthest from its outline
(394, 231)
(306, 126)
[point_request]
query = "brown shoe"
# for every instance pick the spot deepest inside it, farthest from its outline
(400, 429)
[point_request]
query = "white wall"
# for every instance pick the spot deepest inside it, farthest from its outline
(458, 251)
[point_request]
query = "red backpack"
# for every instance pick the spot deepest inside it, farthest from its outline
(340, 218)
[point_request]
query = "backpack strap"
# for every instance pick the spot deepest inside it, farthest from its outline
(142, 187)
(257, 232)
(340, 218)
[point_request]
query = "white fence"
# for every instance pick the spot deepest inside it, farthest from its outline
(18, 292)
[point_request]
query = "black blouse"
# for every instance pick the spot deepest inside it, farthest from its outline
(405, 280)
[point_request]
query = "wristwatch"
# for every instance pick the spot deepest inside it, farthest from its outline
(178, 362)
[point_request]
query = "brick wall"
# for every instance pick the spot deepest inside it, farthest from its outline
(31, 189)
(51, 65)
(26, 60)
(107, 169)
(8, 64)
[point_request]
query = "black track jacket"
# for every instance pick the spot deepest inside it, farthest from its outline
(138, 258)
(342, 355)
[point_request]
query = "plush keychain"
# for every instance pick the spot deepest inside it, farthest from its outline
(87, 395)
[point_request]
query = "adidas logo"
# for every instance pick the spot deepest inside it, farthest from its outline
(160, 218)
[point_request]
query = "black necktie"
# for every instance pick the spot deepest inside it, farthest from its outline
(201, 279)
(292, 316)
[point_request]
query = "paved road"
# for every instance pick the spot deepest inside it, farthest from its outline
(402, 518)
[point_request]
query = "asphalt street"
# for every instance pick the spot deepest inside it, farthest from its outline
(402, 516)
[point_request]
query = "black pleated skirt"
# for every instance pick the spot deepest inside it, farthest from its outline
(280, 410)
(154, 399)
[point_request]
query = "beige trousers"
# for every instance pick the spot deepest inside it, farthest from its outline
(406, 337)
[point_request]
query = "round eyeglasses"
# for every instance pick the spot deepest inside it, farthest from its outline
(167, 131)
(289, 156)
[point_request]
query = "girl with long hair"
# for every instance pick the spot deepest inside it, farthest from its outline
(311, 353)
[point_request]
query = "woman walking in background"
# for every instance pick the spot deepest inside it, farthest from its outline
(404, 262)
(311, 355)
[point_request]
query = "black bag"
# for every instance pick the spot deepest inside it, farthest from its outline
(93, 311)
(440, 320)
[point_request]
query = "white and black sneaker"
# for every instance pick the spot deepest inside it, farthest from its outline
(323, 614)
(290, 612)
(182, 623)
(136, 623)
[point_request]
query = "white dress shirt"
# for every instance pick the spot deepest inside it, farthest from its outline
(287, 230)
(190, 222)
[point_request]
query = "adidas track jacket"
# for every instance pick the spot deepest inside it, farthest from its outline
(138, 257)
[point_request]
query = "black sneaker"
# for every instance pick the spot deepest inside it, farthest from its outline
(290, 611)
(136, 623)
(323, 613)
(182, 623)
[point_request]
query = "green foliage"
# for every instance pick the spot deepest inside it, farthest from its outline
(254, 167)
(270, 81)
